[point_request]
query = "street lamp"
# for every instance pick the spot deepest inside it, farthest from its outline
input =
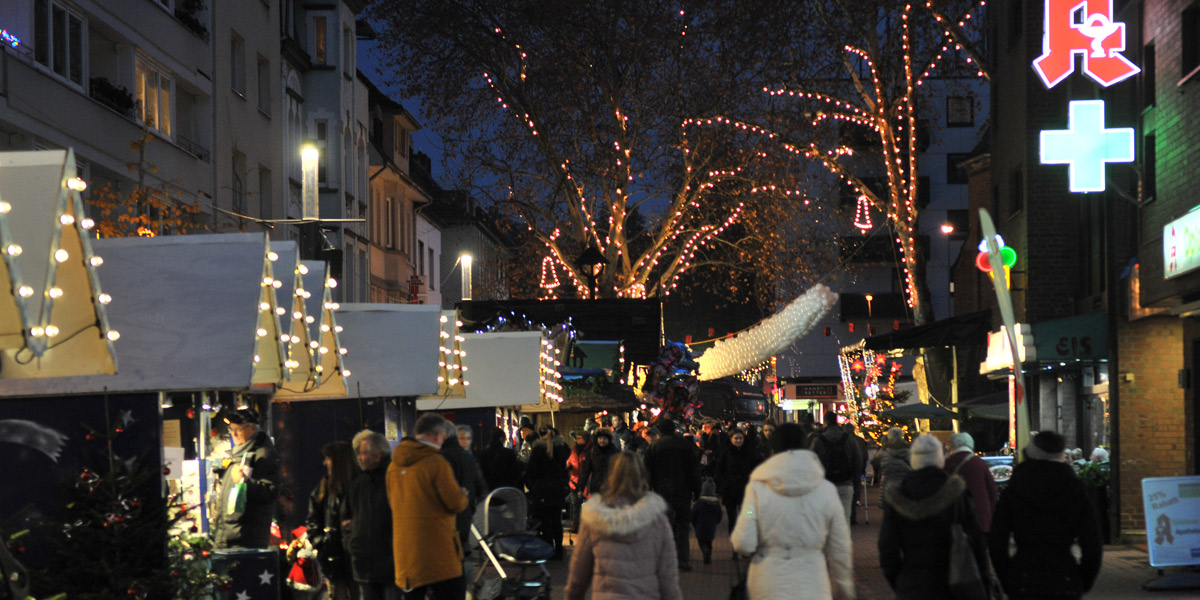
(592, 262)
(309, 157)
(464, 262)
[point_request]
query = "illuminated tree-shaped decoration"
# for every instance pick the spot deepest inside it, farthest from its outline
(316, 343)
(58, 310)
(293, 318)
(452, 373)
(767, 337)
(270, 340)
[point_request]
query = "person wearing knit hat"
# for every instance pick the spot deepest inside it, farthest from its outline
(976, 473)
(913, 548)
(1045, 508)
(895, 462)
(595, 468)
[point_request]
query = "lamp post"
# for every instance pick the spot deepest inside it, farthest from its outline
(310, 206)
(592, 261)
(464, 262)
(947, 229)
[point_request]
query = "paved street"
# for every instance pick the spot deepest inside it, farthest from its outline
(1125, 569)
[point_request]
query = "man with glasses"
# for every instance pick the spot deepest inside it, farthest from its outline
(249, 485)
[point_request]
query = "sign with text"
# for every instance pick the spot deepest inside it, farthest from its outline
(1172, 507)
(1181, 245)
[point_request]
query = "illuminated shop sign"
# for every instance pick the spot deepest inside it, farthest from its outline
(1181, 245)
(1085, 28)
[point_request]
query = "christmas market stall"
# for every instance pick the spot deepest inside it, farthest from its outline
(199, 333)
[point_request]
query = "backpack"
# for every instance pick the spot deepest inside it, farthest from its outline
(836, 460)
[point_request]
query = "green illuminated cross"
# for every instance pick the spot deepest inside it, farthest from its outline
(1086, 145)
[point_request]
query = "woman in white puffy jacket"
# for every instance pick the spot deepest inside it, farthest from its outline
(793, 526)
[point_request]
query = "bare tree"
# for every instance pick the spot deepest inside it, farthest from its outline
(589, 122)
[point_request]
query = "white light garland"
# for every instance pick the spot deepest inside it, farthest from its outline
(768, 337)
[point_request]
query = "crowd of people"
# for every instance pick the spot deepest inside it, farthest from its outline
(390, 523)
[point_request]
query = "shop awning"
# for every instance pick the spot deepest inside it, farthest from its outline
(190, 314)
(960, 330)
(395, 348)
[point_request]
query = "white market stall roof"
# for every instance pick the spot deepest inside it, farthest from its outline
(189, 312)
(505, 369)
(393, 348)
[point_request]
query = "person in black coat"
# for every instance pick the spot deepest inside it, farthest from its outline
(368, 519)
(468, 475)
(253, 461)
(914, 540)
(595, 468)
(500, 465)
(546, 477)
(324, 522)
(733, 473)
(673, 466)
(1045, 509)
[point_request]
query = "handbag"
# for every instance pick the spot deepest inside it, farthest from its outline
(739, 591)
(236, 503)
(967, 578)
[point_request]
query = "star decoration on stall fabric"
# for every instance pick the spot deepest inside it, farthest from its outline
(126, 417)
(243, 595)
(265, 577)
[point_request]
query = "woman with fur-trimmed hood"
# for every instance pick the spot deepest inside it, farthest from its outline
(914, 540)
(625, 549)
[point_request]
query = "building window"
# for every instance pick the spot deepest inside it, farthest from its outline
(389, 223)
(1190, 32)
(1148, 76)
(421, 258)
(320, 44)
(264, 85)
(960, 111)
(58, 40)
(399, 142)
(238, 182)
(432, 268)
(322, 131)
(348, 52)
(237, 64)
(154, 96)
(954, 172)
(265, 201)
(1016, 192)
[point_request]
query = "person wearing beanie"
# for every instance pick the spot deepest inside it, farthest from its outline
(1045, 508)
(595, 468)
(976, 473)
(896, 463)
(249, 485)
(914, 540)
(706, 515)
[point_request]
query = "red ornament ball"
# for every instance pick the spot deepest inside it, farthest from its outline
(191, 413)
(166, 471)
(91, 437)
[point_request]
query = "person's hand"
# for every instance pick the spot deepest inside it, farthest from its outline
(239, 473)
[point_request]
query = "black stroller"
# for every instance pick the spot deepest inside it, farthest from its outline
(511, 561)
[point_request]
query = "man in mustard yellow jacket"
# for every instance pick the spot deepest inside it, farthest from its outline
(425, 498)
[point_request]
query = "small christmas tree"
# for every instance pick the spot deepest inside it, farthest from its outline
(117, 537)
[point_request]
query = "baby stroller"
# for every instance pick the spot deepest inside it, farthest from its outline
(511, 563)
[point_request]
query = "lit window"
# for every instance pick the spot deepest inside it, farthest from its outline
(320, 52)
(154, 96)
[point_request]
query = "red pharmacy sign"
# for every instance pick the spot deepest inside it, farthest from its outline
(1083, 27)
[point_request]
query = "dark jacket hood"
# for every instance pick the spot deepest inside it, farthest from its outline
(1045, 485)
(925, 492)
(833, 434)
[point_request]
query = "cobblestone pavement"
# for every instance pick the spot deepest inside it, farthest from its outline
(1125, 569)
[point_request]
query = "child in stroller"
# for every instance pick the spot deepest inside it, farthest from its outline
(511, 563)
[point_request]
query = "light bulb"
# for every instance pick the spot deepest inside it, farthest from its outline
(331, 282)
(87, 223)
(267, 280)
(264, 306)
(279, 310)
(271, 256)
(54, 292)
(103, 298)
(313, 344)
(257, 359)
(342, 351)
(345, 372)
(13, 250)
(113, 335)
(324, 328)
(277, 284)
(261, 332)
(5, 207)
(37, 331)
(297, 315)
(76, 184)
(309, 319)
(303, 269)
(285, 337)
(96, 261)
(295, 339)
(324, 350)
(51, 331)
(66, 219)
